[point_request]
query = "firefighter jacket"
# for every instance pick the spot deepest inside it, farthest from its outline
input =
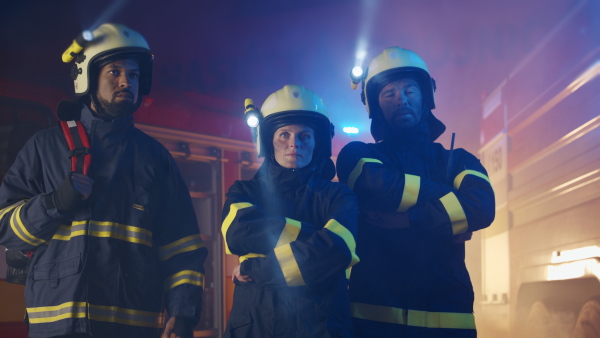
(294, 233)
(110, 268)
(415, 214)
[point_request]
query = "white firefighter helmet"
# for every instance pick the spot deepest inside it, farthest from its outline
(108, 43)
(392, 64)
(294, 104)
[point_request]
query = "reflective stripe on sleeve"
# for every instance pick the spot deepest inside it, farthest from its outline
(233, 209)
(250, 255)
(290, 232)
(412, 185)
(19, 229)
(393, 315)
(185, 277)
(289, 266)
(5, 211)
(338, 229)
(189, 243)
(459, 178)
(358, 170)
(456, 213)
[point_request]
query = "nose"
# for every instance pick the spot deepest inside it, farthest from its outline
(294, 142)
(403, 99)
(124, 80)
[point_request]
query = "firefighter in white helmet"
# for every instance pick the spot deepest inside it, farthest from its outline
(113, 241)
(292, 228)
(418, 204)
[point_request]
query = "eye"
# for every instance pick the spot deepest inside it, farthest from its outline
(134, 75)
(305, 137)
(284, 134)
(114, 72)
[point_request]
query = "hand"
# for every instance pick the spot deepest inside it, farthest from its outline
(389, 219)
(462, 237)
(83, 184)
(237, 275)
(71, 193)
(180, 329)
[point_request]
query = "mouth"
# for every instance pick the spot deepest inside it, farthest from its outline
(125, 95)
(294, 155)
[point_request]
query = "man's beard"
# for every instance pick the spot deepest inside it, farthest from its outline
(112, 110)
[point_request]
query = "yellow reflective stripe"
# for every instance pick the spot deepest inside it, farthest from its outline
(441, 320)
(377, 313)
(358, 170)
(47, 314)
(393, 315)
(114, 314)
(456, 213)
(66, 232)
(185, 244)
(458, 179)
(185, 277)
(250, 255)
(19, 229)
(123, 232)
(412, 185)
(348, 272)
(290, 232)
(233, 209)
(4, 211)
(338, 229)
(289, 266)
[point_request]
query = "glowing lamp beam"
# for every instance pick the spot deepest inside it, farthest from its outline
(350, 130)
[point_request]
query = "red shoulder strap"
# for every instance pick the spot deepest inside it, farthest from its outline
(79, 146)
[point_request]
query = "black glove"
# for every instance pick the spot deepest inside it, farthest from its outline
(184, 327)
(66, 198)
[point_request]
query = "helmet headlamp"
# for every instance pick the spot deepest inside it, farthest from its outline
(251, 114)
(357, 74)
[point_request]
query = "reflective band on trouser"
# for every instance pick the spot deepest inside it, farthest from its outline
(338, 229)
(358, 170)
(459, 178)
(19, 229)
(456, 213)
(189, 243)
(233, 209)
(123, 232)
(290, 232)
(185, 277)
(412, 185)
(289, 266)
(438, 320)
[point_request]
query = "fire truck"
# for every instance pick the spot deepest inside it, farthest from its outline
(540, 142)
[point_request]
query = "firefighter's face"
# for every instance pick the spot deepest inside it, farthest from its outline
(118, 85)
(401, 103)
(294, 145)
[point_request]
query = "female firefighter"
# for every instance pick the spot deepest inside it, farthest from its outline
(292, 228)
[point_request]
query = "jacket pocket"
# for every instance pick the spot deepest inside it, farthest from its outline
(57, 269)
